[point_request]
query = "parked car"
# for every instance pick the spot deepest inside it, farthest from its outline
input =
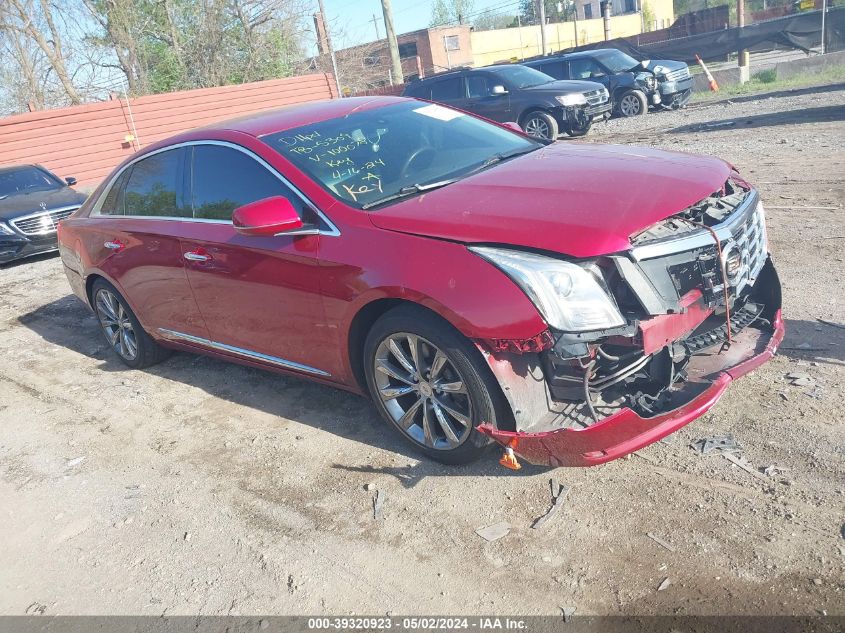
(634, 86)
(32, 201)
(568, 301)
(542, 106)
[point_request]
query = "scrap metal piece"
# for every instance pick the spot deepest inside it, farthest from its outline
(378, 505)
(494, 532)
(719, 444)
(558, 497)
(664, 584)
(739, 461)
(660, 541)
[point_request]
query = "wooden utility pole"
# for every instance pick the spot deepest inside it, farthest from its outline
(740, 20)
(375, 25)
(392, 45)
(325, 23)
(543, 45)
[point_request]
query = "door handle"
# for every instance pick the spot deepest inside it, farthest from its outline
(196, 256)
(114, 245)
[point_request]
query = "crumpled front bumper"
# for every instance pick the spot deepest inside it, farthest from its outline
(625, 431)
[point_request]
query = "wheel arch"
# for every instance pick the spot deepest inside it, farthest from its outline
(532, 109)
(370, 313)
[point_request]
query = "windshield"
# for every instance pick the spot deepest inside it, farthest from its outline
(24, 179)
(617, 61)
(521, 76)
(370, 155)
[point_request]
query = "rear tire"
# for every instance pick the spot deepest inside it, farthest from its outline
(540, 125)
(440, 378)
(122, 330)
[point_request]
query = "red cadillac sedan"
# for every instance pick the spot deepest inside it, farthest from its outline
(572, 302)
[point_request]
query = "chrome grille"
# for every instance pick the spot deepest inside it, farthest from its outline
(749, 239)
(596, 97)
(742, 233)
(677, 75)
(43, 222)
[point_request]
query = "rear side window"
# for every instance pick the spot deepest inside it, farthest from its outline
(152, 188)
(557, 69)
(448, 89)
(224, 179)
(113, 202)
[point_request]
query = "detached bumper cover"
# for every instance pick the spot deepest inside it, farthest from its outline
(625, 431)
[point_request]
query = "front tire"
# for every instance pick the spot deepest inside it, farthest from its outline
(431, 385)
(632, 103)
(122, 330)
(541, 125)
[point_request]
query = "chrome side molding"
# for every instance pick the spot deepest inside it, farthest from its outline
(239, 351)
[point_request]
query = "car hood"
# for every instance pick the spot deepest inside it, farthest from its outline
(664, 66)
(25, 203)
(579, 200)
(566, 86)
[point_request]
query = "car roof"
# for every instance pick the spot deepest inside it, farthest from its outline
(280, 119)
(576, 54)
(287, 117)
(9, 168)
(457, 71)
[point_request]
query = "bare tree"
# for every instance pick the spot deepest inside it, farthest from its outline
(20, 16)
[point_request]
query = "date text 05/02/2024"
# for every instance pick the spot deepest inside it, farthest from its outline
(479, 623)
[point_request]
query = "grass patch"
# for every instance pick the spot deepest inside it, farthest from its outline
(769, 76)
(767, 81)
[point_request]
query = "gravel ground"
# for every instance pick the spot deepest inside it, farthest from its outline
(204, 487)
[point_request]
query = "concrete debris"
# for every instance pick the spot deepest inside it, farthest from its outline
(660, 541)
(800, 379)
(664, 584)
(378, 505)
(817, 582)
(558, 497)
(74, 462)
(719, 444)
(568, 612)
(494, 532)
(772, 471)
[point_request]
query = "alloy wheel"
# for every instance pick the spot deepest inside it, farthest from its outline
(422, 391)
(630, 105)
(116, 324)
(538, 128)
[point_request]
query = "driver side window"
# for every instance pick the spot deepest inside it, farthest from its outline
(585, 68)
(223, 179)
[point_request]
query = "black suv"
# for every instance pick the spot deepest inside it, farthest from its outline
(633, 85)
(542, 106)
(32, 201)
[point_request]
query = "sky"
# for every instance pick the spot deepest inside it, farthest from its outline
(351, 23)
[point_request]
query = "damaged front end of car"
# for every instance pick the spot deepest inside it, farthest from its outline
(694, 304)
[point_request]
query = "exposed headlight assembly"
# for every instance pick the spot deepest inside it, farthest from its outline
(568, 296)
(571, 100)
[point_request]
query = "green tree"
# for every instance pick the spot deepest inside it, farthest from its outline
(451, 12)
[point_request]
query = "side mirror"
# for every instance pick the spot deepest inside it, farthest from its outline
(498, 90)
(513, 125)
(71, 181)
(268, 217)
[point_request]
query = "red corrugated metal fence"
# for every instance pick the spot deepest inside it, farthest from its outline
(87, 141)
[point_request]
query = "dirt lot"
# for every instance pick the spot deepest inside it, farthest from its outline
(205, 487)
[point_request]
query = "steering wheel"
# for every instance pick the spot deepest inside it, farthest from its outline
(425, 149)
